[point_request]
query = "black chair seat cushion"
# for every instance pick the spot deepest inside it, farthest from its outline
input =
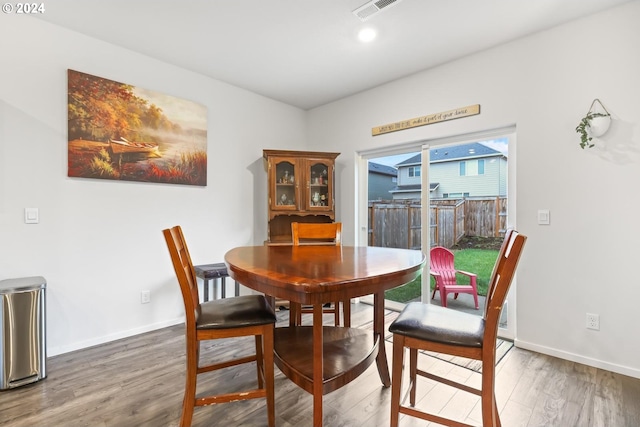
(236, 312)
(430, 322)
(211, 271)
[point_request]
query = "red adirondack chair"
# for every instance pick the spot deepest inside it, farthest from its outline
(443, 270)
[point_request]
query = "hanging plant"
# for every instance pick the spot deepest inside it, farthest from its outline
(594, 124)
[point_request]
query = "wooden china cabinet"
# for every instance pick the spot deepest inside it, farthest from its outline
(300, 189)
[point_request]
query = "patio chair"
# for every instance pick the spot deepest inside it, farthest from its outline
(430, 328)
(444, 272)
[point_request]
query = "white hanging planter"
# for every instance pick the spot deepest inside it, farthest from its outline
(599, 125)
(593, 125)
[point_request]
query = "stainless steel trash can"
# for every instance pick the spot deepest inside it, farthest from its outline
(23, 350)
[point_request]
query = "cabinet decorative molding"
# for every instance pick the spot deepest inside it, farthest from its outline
(300, 189)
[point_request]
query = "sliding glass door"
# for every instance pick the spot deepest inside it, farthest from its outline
(452, 192)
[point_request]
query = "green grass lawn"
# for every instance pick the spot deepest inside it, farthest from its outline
(478, 261)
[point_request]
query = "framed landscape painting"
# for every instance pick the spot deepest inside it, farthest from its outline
(121, 132)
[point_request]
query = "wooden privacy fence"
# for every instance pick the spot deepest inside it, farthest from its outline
(397, 223)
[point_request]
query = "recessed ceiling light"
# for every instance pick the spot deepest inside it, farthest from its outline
(366, 35)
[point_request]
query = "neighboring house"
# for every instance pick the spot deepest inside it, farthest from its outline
(382, 179)
(467, 170)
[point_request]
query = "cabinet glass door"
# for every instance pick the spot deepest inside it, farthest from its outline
(320, 177)
(285, 193)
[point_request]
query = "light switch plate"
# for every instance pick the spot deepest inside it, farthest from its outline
(543, 217)
(31, 216)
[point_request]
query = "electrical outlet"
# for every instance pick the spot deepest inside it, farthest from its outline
(145, 297)
(593, 321)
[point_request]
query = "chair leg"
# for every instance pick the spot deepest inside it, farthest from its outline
(490, 415)
(413, 374)
(396, 378)
(336, 313)
(259, 361)
(269, 375)
(443, 297)
(205, 290)
(295, 313)
(190, 384)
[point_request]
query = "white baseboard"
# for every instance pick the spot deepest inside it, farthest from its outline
(54, 351)
(601, 364)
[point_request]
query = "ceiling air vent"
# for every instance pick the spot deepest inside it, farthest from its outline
(369, 9)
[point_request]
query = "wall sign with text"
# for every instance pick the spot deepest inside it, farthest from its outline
(458, 113)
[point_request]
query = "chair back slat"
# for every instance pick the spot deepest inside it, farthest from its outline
(320, 234)
(317, 232)
(184, 271)
(501, 278)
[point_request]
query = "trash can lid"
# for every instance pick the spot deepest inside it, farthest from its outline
(22, 284)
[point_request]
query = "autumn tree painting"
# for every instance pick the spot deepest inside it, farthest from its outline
(121, 132)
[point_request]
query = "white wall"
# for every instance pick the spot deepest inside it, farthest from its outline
(584, 261)
(99, 242)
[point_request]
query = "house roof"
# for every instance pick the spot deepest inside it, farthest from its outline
(382, 169)
(413, 187)
(454, 152)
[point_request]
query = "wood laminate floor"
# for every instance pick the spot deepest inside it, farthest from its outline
(138, 381)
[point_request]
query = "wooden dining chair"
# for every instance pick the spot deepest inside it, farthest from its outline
(223, 318)
(317, 234)
(429, 327)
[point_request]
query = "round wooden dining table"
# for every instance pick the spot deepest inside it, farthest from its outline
(318, 358)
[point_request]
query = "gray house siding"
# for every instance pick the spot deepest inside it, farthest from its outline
(405, 179)
(444, 173)
(503, 177)
(380, 187)
(408, 186)
(491, 183)
(382, 179)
